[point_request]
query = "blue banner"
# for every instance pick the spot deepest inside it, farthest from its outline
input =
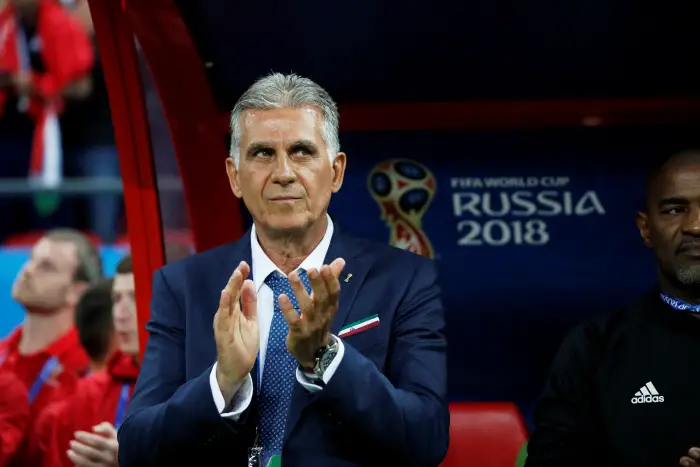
(532, 233)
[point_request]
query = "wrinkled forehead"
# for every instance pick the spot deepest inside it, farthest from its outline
(280, 124)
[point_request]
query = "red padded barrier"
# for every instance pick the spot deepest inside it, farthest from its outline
(485, 434)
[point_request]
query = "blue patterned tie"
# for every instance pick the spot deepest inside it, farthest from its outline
(278, 372)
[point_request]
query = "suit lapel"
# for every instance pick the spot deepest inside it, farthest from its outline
(351, 279)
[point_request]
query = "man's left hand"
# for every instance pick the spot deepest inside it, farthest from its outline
(96, 449)
(692, 459)
(312, 330)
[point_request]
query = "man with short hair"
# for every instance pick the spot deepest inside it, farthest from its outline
(623, 388)
(302, 366)
(93, 320)
(83, 427)
(45, 351)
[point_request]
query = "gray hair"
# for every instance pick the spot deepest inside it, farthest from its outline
(278, 91)
(89, 267)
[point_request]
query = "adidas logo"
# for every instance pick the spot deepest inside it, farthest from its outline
(647, 394)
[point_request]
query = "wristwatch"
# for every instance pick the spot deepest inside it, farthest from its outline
(324, 357)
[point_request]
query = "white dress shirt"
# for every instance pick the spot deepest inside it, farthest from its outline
(262, 267)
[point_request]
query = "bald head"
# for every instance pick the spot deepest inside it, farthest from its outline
(680, 162)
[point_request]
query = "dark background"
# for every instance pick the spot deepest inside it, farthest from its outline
(370, 51)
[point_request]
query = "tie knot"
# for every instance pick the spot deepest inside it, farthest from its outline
(279, 283)
(275, 279)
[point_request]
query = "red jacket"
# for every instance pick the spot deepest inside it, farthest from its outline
(14, 415)
(67, 53)
(67, 50)
(97, 399)
(71, 362)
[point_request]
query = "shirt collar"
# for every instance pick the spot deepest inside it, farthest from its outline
(262, 265)
(122, 366)
(57, 348)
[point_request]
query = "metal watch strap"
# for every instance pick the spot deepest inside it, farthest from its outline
(320, 366)
(316, 374)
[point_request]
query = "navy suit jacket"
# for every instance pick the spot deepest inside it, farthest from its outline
(386, 400)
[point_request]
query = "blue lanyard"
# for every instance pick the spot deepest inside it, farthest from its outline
(22, 48)
(680, 304)
(121, 405)
(44, 375)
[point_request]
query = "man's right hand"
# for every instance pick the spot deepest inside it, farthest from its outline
(237, 334)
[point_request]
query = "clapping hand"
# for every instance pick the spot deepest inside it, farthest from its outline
(96, 449)
(236, 332)
(312, 330)
(692, 459)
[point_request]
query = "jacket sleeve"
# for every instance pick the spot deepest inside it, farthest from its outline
(404, 413)
(565, 430)
(14, 416)
(170, 420)
(55, 431)
(70, 53)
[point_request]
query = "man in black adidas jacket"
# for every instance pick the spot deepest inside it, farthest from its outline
(623, 389)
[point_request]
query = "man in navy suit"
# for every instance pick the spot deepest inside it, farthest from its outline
(326, 350)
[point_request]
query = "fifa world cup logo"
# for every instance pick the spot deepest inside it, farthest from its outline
(404, 189)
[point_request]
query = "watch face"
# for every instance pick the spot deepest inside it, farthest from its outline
(327, 359)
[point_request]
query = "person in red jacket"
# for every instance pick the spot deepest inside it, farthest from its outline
(14, 416)
(44, 352)
(45, 56)
(84, 426)
(95, 326)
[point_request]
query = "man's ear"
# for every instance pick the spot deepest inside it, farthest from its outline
(642, 220)
(233, 180)
(338, 168)
(75, 291)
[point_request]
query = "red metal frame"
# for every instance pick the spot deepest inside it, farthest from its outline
(120, 64)
(178, 73)
(192, 119)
